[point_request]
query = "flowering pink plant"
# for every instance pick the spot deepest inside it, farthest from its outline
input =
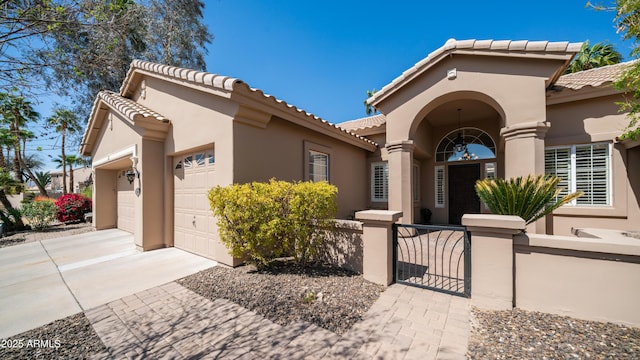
(72, 207)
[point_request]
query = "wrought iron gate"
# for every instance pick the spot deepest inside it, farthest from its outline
(433, 257)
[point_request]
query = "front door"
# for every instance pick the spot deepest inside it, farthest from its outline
(462, 194)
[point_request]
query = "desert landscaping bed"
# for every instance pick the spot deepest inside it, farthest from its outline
(329, 297)
(68, 338)
(52, 232)
(520, 334)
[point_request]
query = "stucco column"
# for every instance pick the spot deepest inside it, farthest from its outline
(492, 259)
(400, 155)
(377, 244)
(524, 155)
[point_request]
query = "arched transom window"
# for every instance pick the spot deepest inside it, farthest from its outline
(465, 144)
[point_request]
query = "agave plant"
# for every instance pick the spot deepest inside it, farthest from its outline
(530, 198)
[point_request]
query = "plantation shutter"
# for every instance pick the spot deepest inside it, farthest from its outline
(379, 181)
(557, 161)
(592, 168)
(439, 181)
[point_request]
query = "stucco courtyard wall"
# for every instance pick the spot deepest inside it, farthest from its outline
(587, 278)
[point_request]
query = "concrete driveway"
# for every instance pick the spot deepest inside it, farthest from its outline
(48, 280)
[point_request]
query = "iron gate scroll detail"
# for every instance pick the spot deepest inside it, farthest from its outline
(433, 257)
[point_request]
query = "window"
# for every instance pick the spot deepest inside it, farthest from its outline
(199, 159)
(439, 181)
(490, 170)
(379, 181)
(210, 158)
(318, 166)
(582, 168)
(188, 162)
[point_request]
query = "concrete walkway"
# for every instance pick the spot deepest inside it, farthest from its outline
(47, 280)
(172, 322)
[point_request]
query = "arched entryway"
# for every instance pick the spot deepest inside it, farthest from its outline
(463, 156)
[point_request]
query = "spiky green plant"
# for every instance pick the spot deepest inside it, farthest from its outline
(531, 197)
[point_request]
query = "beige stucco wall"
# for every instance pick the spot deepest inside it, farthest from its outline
(594, 279)
(278, 151)
(492, 80)
(590, 121)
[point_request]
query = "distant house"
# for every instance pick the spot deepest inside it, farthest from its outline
(469, 110)
(81, 178)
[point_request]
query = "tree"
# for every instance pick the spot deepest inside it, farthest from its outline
(43, 178)
(591, 57)
(64, 121)
(83, 46)
(15, 112)
(9, 186)
(367, 107)
(70, 161)
(628, 22)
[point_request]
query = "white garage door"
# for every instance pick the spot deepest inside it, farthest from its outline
(125, 201)
(193, 222)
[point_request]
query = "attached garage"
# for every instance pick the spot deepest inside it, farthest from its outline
(193, 223)
(125, 200)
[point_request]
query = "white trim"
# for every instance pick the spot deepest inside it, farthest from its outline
(131, 151)
(441, 186)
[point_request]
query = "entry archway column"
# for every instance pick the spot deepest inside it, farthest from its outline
(524, 155)
(400, 157)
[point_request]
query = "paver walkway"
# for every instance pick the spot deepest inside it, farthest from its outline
(170, 321)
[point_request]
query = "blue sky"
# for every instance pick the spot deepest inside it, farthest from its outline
(322, 56)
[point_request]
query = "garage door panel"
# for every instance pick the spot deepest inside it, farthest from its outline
(125, 200)
(192, 213)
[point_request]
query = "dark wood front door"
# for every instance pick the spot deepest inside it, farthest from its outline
(462, 194)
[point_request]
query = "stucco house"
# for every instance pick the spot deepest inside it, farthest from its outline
(469, 110)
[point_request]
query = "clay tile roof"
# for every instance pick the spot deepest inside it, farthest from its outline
(230, 84)
(593, 77)
(364, 123)
(477, 46)
(195, 76)
(128, 107)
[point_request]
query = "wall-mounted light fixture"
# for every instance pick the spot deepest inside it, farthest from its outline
(130, 176)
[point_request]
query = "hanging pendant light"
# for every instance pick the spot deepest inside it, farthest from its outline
(458, 143)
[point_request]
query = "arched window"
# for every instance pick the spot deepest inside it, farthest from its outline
(476, 145)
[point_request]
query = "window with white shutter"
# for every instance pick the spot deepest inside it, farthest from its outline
(318, 166)
(585, 168)
(379, 181)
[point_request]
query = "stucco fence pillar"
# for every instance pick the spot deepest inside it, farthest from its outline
(377, 244)
(492, 258)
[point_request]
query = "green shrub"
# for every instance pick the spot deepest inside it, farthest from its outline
(263, 221)
(40, 214)
(531, 198)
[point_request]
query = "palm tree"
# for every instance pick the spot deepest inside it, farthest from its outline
(65, 121)
(9, 186)
(531, 198)
(16, 112)
(44, 178)
(70, 161)
(367, 107)
(591, 57)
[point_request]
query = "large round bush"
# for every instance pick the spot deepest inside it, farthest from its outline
(72, 207)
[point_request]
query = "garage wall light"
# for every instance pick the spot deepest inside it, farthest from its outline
(131, 175)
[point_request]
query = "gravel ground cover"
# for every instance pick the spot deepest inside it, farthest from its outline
(52, 232)
(329, 297)
(520, 334)
(68, 338)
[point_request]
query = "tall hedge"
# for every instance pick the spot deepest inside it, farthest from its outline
(263, 221)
